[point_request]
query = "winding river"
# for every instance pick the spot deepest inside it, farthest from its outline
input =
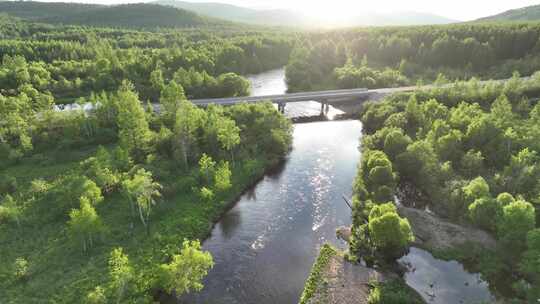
(264, 247)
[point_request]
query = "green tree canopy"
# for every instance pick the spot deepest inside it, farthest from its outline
(186, 270)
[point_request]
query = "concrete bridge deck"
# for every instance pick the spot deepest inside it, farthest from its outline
(321, 96)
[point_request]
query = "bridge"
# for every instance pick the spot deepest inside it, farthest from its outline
(324, 97)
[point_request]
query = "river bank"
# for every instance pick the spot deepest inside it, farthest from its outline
(335, 280)
(433, 280)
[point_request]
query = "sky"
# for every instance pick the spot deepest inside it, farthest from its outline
(462, 10)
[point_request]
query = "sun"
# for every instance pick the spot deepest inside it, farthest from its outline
(336, 9)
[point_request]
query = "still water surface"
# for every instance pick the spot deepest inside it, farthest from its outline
(264, 247)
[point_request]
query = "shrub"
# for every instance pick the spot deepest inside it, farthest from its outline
(389, 233)
(20, 268)
(206, 194)
(517, 219)
(186, 270)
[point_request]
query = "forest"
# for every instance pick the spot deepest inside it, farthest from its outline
(398, 56)
(94, 203)
(110, 202)
(467, 151)
(69, 62)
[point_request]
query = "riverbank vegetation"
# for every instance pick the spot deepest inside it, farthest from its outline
(469, 152)
(108, 204)
(398, 56)
(317, 277)
(393, 291)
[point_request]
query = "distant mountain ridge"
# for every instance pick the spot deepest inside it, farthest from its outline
(282, 17)
(529, 13)
(137, 15)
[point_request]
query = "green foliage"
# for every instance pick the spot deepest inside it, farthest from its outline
(377, 176)
(186, 270)
(477, 188)
(351, 77)
(389, 233)
(228, 135)
(188, 120)
(141, 189)
(472, 163)
(471, 157)
(52, 183)
(67, 64)
(133, 130)
(396, 143)
(121, 273)
(20, 268)
(316, 276)
(84, 224)
(483, 210)
(517, 219)
(530, 264)
(222, 177)
(96, 296)
(206, 194)
(522, 173)
(170, 97)
(393, 292)
(403, 56)
(207, 167)
(9, 210)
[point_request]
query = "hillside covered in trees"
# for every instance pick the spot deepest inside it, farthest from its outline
(398, 56)
(139, 15)
(529, 13)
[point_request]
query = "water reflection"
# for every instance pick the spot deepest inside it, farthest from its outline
(443, 282)
(268, 83)
(228, 224)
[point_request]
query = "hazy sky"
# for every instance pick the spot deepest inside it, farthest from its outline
(455, 9)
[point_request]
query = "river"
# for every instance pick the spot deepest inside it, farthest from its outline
(264, 247)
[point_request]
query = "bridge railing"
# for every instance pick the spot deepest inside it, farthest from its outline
(284, 98)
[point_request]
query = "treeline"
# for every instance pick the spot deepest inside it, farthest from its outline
(110, 224)
(69, 62)
(386, 57)
(469, 152)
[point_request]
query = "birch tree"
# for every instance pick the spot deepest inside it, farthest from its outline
(141, 191)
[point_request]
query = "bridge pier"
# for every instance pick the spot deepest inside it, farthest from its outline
(325, 106)
(281, 107)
